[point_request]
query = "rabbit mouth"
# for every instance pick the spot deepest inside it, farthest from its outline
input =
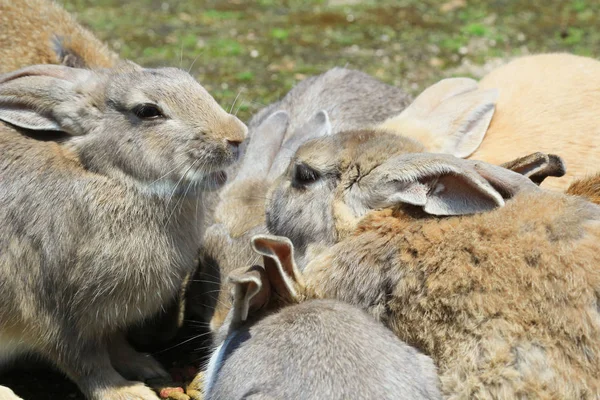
(213, 180)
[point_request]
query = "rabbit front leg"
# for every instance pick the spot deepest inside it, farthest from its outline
(91, 369)
(132, 364)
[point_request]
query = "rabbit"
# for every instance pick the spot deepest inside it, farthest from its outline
(42, 32)
(274, 345)
(101, 178)
(544, 102)
(335, 100)
(476, 266)
(351, 98)
(240, 212)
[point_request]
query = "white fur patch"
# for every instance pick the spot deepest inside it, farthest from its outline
(214, 364)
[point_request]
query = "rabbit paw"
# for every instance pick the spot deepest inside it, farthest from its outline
(133, 391)
(196, 388)
(7, 394)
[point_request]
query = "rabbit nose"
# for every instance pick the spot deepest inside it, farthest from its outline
(234, 146)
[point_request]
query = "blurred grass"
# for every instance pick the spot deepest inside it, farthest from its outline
(261, 48)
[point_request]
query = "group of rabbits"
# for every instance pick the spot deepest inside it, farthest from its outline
(365, 245)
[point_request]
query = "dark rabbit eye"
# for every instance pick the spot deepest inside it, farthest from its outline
(305, 175)
(147, 111)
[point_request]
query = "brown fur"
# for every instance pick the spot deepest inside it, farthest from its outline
(588, 187)
(505, 302)
(42, 32)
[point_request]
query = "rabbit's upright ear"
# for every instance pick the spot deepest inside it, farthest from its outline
(42, 97)
(280, 267)
(264, 145)
(317, 126)
(538, 166)
(451, 116)
(442, 184)
(251, 291)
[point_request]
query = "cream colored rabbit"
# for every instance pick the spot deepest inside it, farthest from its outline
(546, 102)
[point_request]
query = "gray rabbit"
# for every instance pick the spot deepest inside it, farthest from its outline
(101, 177)
(274, 345)
(317, 106)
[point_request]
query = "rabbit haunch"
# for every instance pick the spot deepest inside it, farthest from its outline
(545, 102)
(505, 301)
(101, 227)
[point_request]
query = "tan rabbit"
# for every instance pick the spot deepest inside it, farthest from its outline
(42, 32)
(101, 178)
(546, 102)
(505, 301)
(274, 345)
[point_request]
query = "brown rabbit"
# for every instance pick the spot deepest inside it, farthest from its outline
(101, 178)
(274, 345)
(505, 301)
(42, 32)
(544, 102)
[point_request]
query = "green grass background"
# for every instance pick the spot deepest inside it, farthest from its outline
(260, 49)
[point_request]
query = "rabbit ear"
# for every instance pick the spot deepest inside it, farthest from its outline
(317, 126)
(538, 166)
(41, 97)
(451, 116)
(440, 183)
(251, 291)
(264, 145)
(280, 267)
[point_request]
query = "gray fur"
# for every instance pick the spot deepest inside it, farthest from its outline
(351, 98)
(100, 228)
(336, 100)
(273, 347)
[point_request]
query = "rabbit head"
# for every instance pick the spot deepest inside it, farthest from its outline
(152, 127)
(240, 214)
(332, 182)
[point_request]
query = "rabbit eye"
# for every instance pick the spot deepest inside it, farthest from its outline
(147, 111)
(304, 175)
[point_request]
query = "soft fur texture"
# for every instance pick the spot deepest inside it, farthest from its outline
(547, 103)
(100, 227)
(274, 345)
(336, 100)
(505, 301)
(42, 32)
(588, 187)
